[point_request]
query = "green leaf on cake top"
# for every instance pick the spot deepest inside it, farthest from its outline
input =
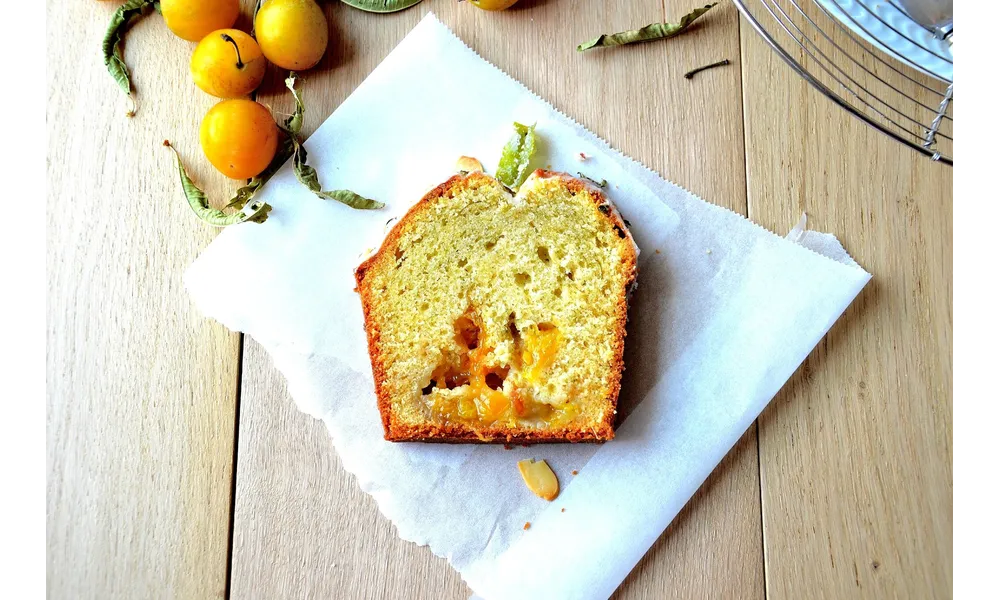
(513, 167)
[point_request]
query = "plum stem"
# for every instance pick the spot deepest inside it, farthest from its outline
(239, 60)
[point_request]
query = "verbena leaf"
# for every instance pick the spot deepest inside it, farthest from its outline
(381, 6)
(111, 44)
(246, 192)
(307, 175)
(655, 31)
(351, 199)
(293, 124)
(513, 167)
(254, 211)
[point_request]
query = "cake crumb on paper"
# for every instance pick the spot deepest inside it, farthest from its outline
(575, 472)
(527, 525)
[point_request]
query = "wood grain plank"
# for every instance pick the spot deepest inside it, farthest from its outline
(856, 450)
(713, 548)
(141, 389)
(302, 527)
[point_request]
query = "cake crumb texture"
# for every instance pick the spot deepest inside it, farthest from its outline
(500, 317)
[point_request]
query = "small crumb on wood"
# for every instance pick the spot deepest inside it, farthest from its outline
(575, 472)
(527, 526)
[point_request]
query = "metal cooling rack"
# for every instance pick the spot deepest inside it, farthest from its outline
(886, 91)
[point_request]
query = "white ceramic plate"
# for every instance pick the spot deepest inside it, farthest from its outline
(887, 27)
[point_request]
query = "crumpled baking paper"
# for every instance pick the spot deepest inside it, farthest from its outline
(724, 313)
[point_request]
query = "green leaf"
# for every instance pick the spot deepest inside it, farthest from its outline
(351, 199)
(656, 31)
(513, 167)
(252, 211)
(381, 6)
(293, 124)
(243, 195)
(111, 44)
(307, 175)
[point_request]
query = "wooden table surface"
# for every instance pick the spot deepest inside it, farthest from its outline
(178, 466)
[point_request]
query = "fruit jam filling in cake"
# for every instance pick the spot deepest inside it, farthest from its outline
(473, 386)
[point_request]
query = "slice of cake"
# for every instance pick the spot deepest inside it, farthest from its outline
(495, 317)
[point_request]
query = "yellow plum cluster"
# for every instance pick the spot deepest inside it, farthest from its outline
(238, 135)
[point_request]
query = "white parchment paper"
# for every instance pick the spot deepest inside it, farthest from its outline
(723, 315)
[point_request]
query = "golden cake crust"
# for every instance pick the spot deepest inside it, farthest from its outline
(461, 432)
